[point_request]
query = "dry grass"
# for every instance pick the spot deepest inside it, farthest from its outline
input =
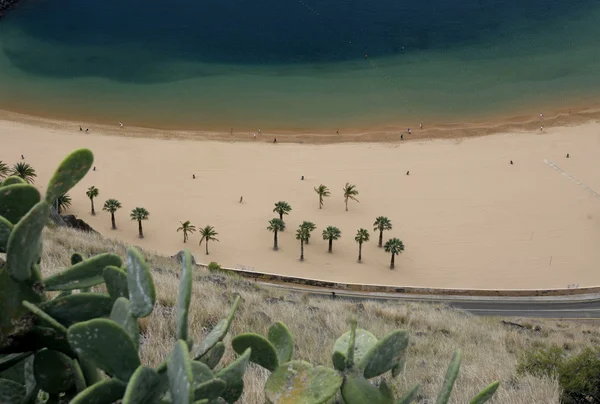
(490, 349)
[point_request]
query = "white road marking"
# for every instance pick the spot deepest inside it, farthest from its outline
(570, 177)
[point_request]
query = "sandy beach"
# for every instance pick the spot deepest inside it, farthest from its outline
(467, 217)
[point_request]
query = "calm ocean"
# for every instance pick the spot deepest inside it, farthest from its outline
(297, 64)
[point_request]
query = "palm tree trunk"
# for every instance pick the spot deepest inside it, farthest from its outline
(346, 204)
(184, 237)
(320, 202)
(281, 216)
(112, 220)
(330, 244)
(359, 252)
(301, 250)
(392, 266)
(140, 230)
(93, 211)
(380, 238)
(206, 246)
(275, 247)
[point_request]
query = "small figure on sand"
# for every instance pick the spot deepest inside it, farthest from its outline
(241, 199)
(231, 131)
(259, 132)
(401, 137)
(80, 128)
(541, 128)
(302, 179)
(121, 125)
(193, 176)
(87, 130)
(420, 126)
(408, 173)
(541, 116)
(409, 131)
(22, 157)
(333, 295)
(567, 155)
(254, 136)
(511, 162)
(274, 140)
(94, 168)
(337, 132)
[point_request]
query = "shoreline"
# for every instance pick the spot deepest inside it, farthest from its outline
(523, 123)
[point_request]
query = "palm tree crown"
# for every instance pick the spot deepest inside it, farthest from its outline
(393, 246)
(91, 193)
(4, 170)
(111, 205)
(323, 192)
(139, 214)
(382, 223)
(24, 171)
(276, 225)
(186, 227)
(282, 208)
(310, 227)
(350, 192)
(63, 203)
(208, 233)
(331, 233)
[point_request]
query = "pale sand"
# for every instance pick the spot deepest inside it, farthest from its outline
(468, 218)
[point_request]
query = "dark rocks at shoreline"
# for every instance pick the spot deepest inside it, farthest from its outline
(6, 5)
(70, 221)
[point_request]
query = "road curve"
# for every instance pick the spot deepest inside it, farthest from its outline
(558, 307)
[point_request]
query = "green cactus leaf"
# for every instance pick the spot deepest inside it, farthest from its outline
(8, 361)
(358, 390)
(216, 334)
(210, 389)
(70, 171)
(107, 345)
(76, 308)
(451, 375)
(185, 297)
(80, 383)
(384, 354)
(121, 314)
(181, 379)
(104, 392)
(31, 386)
(76, 258)
(486, 393)
(116, 282)
(398, 367)
(144, 387)
(44, 316)
(11, 392)
(5, 230)
(201, 372)
(233, 375)
(16, 200)
(82, 274)
(214, 355)
(25, 242)
(16, 372)
(204, 401)
(12, 180)
(64, 293)
(140, 285)
(363, 342)
(90, 371)
(298, 382)
(263, 352)
(51, 338)
(53, 371)
(283, 341)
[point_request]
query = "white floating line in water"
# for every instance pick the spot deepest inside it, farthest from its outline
(570, 177)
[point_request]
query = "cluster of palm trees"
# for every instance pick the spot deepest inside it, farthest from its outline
(350, 193)
(112, 205)
(21, 169)
(208, 233)
(393, 246)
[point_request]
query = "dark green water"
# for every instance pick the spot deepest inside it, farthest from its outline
(297, 64)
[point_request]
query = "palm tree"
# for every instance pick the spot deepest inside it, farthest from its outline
(139, 214)
(350, 192)
(186, 227)
(91, 193)
(111, 206)
(323, 192)
(382, 223)
(4, 170)
(362, 236)
(302, 234)
(282, 208)
(24, 171)
(310, 226)
(208, 233)
(63, 202)
(395, 247)
(276, 225)
(331, 233)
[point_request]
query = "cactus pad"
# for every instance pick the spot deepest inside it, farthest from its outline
(72, 169)
(451, 375)
(106, 391)
(11, 392)
(201, 372)
(16, 200)
(53, 371)
(214, 355)
(144, 387)
(283, 341)
(363, 342)
(233, 375)
(140, 285)
(25, 241)
(263, 352)
(181, 381)
(7, 361)
(80, 307)
(486, 393)
(384, 354)
(5, 230)
(185, 296)
(12, 180)
(42, 315)
(216, 334)
(358, 390)
(82, 274)
(298, 382)
(116, 282)
(210, 389)
(107, 345)
(121, 314)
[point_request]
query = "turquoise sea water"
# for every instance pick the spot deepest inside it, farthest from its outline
(297, 64)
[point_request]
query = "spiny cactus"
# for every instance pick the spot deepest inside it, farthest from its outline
(79, 346)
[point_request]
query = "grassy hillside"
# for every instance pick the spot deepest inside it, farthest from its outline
(490, 349)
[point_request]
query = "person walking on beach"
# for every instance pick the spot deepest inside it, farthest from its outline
(567, 155)
(541, 116)
(408, 173)
(241, 199)
(254, 136)
(409, 131)
(274, 140)
(87, 131)
(511, 162)
(420, 126)
(121, 125)
(193, 176)
(259, 132)
(80, 128)
(22, 157)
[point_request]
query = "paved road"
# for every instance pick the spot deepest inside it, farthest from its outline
(572, 307)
